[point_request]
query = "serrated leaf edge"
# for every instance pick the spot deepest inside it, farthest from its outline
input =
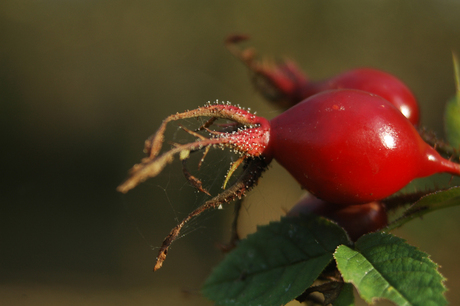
(374, 299)
(267, 227)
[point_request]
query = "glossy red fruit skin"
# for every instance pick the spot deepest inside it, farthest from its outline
(351, 147)
(374, 81)
(357, 220)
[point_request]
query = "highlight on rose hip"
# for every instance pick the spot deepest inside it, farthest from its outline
(352, 141)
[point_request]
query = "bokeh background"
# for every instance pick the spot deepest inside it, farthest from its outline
(83, 83)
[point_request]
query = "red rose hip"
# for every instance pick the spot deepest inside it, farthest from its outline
(351, 147)
(374, 81)
(285, 84)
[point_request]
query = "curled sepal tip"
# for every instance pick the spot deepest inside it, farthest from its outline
(249, 136)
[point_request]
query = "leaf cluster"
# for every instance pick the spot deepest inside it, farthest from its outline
(297, 256)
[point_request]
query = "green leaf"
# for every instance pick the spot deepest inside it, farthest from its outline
(452, 112)
(276, 264)
(346, 297)
(429, 203)
(385, 266)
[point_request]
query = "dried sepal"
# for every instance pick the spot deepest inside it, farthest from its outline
(279, 81)
(223, 111)
(192, 179)
(235, 39)
(247, 135)
(250, 140)
(247, 56)
(245, 182)
(232, 169)
(151, 167)
(205, 153)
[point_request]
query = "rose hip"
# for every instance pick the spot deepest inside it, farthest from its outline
(285, 84)
(344, 146)
(374, 81)
(352, 147)
(357, 220)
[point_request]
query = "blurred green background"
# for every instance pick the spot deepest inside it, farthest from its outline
(83, 83)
